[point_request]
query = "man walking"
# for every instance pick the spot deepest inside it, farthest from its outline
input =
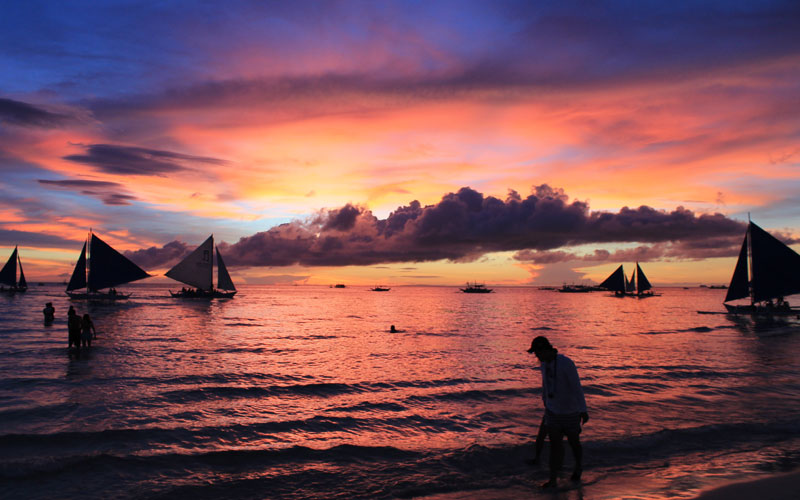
(565, 406)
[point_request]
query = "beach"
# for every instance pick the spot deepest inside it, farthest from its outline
(775, 487)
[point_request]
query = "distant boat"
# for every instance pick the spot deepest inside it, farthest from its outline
(638, 286)
(475, 288)
(339, 285)
(767, 269)
(578, 288)
(107, 268)
(380, 289)
(197, 270)
(8, 275)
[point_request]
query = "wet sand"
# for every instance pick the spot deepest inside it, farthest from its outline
(777, 487)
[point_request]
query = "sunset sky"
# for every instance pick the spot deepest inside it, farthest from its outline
(400, 142)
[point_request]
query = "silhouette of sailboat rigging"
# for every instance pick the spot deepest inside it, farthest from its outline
(197, 270)
(8, 275)
(767, 269)
(106, 267)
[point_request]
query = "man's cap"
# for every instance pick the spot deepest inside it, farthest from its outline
(540, 344)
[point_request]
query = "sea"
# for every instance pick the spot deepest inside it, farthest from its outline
(295, 392)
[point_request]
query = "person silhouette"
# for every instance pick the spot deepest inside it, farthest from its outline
(74, 330)
(49, 313)
(393, 329)
(87, 331)
(565, 407)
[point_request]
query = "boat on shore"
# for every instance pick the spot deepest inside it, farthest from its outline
(475, 288)
(107, 268)
(8, 275)
(197, 271)
(767, 269)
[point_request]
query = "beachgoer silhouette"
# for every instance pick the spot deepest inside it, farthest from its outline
(49, 313)
(87, 331)
(393, 329)
(565, 406)
(74, 330)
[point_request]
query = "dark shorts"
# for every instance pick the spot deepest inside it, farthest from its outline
(567, 424)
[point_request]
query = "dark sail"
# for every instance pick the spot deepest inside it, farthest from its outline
(739, 287)
(22, 283)
(642, 284)
(8, 275)
(108, 267)
(615, 282)
(776, 267)
(78, 279)
(224, 280)
(630, 286)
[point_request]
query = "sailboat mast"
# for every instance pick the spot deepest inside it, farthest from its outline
(750, 262)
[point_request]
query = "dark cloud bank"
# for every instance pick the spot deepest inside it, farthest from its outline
(466, 225)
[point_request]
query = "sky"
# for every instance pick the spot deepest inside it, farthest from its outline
(401, 142)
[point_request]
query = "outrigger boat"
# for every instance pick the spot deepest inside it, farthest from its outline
(767, 269)
(197, 270)
(380, 289)
(8, 275)
(107, 269)
(475, 288)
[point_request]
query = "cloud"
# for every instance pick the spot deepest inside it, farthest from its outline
(466, 225)
(110, 193)
(154, 257)
(28, 115)
(129, 160)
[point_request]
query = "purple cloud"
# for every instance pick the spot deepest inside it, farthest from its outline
(465, 225)
(27, 115)
(128, 160)
(110, 193)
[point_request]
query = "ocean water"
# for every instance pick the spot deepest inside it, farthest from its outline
(302, 392)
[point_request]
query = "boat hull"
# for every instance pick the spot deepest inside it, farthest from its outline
(761, 310)
(98, 296)
(202, 294)
(14, 289)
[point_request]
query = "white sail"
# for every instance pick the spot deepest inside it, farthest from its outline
(224, 281)
(197, 268)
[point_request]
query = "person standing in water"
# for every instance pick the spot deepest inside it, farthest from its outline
(87, 331)
(74, 330)
(565, 406)
(49, 313)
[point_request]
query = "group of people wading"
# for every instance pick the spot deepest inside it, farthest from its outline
(80, 330)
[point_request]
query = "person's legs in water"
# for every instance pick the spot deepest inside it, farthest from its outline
(577, 451)
(556, 435)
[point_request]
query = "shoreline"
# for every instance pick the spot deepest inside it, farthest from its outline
(780, 486)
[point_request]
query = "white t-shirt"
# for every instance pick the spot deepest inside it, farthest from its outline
(561, 386)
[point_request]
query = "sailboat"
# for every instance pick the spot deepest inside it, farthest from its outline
(107, 268)
(767, 269)
(638, 286)
(8, 275)
(197, 270)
